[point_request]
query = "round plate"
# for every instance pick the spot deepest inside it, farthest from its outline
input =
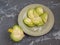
(44, 29)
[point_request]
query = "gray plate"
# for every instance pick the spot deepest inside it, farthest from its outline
(44, 29)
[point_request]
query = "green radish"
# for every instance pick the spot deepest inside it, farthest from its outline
(30, 13)
(37, 21)
(16, 33)
(44, 17)
(39, 10)
(28, 22)
(35, 14)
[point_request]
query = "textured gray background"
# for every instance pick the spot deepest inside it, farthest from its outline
(9, 10)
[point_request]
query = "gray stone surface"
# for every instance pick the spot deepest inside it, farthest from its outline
(9, 10)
